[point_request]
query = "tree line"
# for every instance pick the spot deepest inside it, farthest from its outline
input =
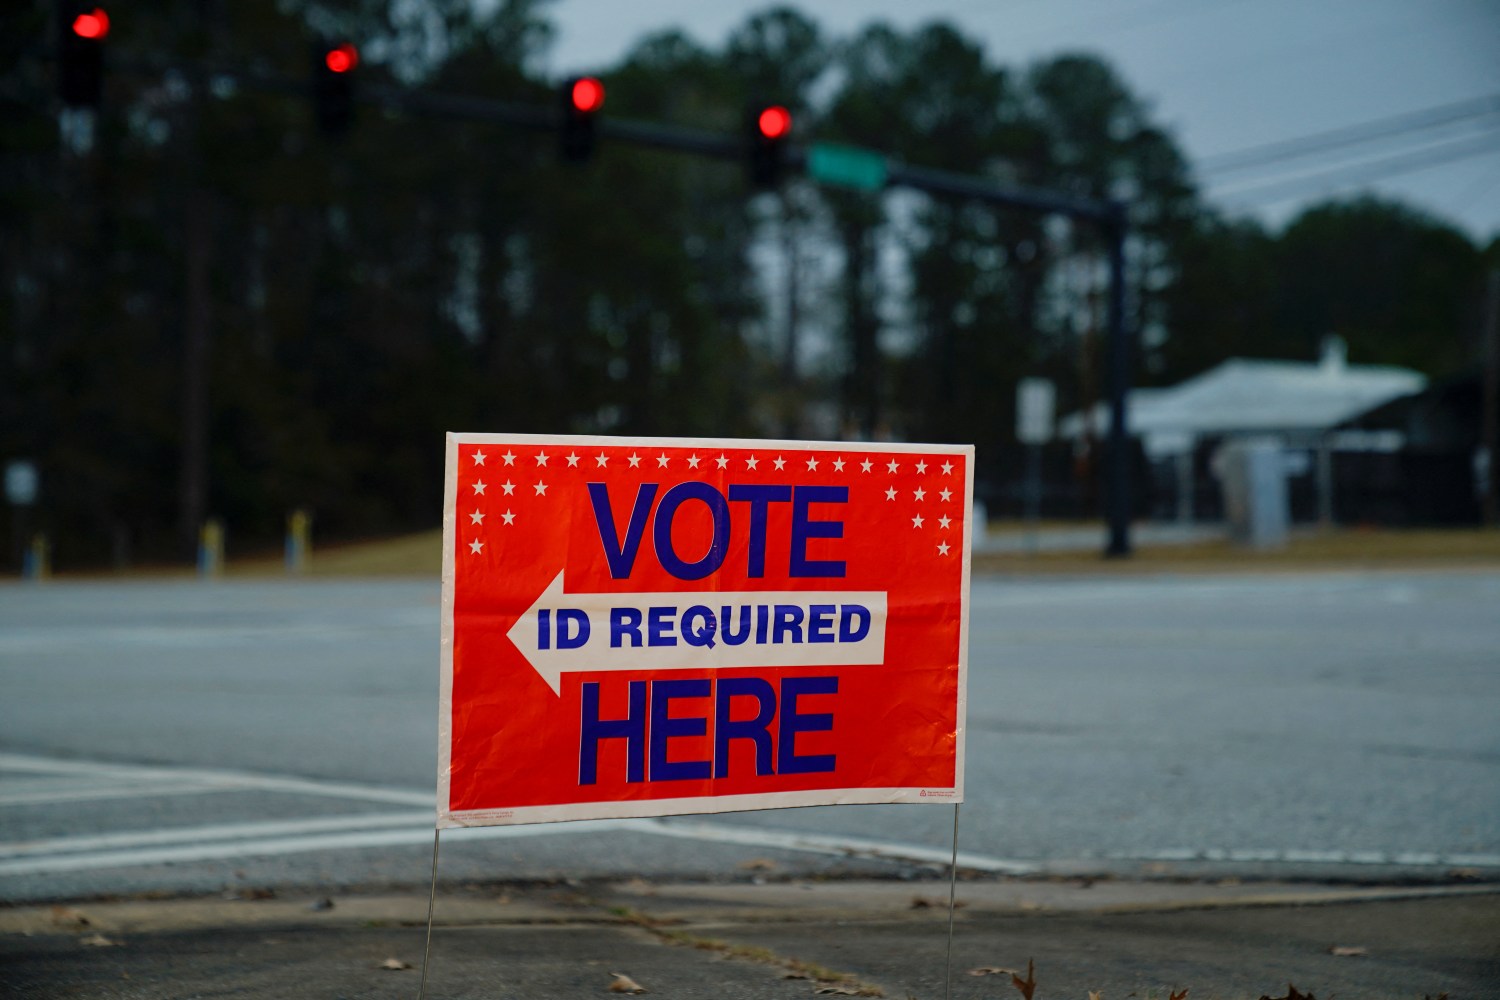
(211, 309)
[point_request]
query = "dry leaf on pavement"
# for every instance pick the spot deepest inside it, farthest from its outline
(1096, 995)
(395, 964)
(66, 916)
(1292, 993)
(1348, 951)
(1174, 995)
(1027, 986)
(930, 903)
(624, 984)
(757, 865)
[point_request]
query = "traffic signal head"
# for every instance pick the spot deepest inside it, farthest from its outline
(333, 85)
(342, 58)
(767, 128)
(82, 28)
(580, 99)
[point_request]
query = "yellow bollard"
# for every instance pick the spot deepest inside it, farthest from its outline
(298, 540)
(37, 564)
(211, 549)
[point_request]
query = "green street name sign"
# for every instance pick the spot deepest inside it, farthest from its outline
(846, 166)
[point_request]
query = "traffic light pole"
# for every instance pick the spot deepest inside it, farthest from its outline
(1113, 220)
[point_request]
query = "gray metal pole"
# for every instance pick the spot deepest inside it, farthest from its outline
(1490, 405)
(1117, 488)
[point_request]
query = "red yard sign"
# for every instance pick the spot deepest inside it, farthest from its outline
(653, 626)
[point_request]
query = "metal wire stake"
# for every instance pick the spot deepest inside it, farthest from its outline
(952, 895)
(432, 903)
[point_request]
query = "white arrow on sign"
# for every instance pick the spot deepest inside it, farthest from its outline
(796, 628)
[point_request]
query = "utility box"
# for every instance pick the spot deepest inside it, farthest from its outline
(1252, 473)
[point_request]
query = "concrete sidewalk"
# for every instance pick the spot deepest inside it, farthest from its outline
(775, 940)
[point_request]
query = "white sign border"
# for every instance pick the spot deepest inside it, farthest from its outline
(640, 808)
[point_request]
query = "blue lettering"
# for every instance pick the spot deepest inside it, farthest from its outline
(788, 622)
(649, 727)
(760, 498)
(621, 555)
(703, 634)
(624, 623)
(729, 635)
(719, 545)
(661, 626)
(756, 730)
(854, 622)
(664, 727)
(794, 722)
(632, 729)
(820, 623)
(805, 529)
(569, 619)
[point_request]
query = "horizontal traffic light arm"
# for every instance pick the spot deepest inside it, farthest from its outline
(655, 135)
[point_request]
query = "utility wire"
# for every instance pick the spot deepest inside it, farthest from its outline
(1434, 156)
(1352, 135)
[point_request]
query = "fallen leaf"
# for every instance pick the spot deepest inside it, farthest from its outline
(991, 970)
(624, 984)
(66, 916)
(1292, 993)
(929, 903)
(395, 964)
(1348, 951)
(250, 892)
(758, 865)
(98, 941)
(1027, 986)
(1171, 995)
(1096, 995)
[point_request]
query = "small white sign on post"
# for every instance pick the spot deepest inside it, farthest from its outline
(1036, 400)
(21, 483)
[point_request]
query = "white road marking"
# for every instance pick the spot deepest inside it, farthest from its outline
(272, 846)
(221, 831)
(92, 793)
(187, 780)
(1261, 855)
(36, 638)
(86, 780)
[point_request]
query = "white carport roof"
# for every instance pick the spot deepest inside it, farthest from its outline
(1252, 396)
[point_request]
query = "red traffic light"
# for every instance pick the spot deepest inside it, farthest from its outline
(774, 122)
(341, 58)
(93, 25)
(587, 95)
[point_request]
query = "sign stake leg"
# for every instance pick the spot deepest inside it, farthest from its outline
(952, 895)
(432, 903)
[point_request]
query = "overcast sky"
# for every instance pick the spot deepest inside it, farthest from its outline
(1224, 76)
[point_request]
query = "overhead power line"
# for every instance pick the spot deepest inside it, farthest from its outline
(1352, 135)
(1391, 166)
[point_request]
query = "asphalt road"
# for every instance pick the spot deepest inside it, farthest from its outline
(187, 736)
